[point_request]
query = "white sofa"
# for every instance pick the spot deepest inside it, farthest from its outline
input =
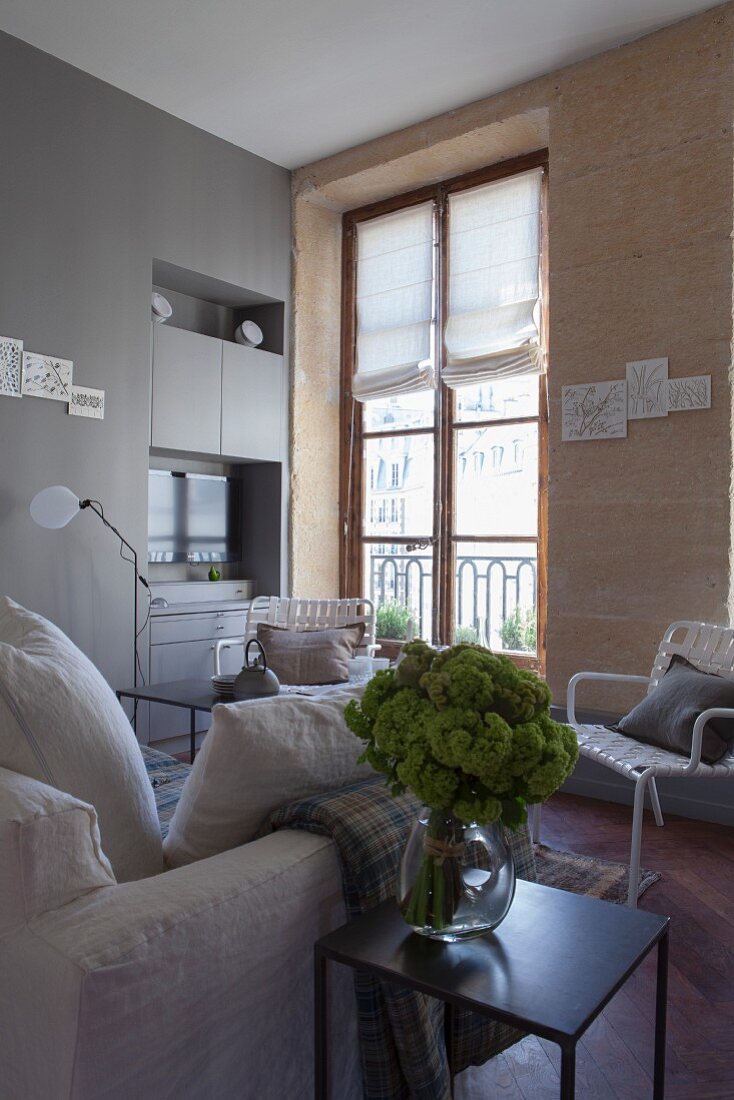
(122, 981)
(194, 983)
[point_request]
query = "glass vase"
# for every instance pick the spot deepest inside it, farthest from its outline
(456, 881)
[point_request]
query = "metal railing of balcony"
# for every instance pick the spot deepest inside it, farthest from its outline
(488, 589)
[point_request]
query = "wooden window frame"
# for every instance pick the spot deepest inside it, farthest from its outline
(352, 434)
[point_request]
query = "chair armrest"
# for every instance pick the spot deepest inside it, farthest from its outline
(219, 645)
(698, 728)
(617, 677)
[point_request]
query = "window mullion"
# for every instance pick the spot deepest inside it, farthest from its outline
(444, 591)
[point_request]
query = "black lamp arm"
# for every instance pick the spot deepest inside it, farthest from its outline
(97, 509)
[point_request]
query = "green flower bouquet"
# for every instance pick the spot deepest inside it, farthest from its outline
(470, 734)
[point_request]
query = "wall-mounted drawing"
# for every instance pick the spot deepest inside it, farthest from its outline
(47, 376)
(685, 394)
(85, 401)
(11, 357)
(647, 389)
(595, 410)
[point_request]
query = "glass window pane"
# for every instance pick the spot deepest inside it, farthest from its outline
(400, 585)
(398, 481)
(407, 410)
(496, 595)
(497, 480)
(509, 397)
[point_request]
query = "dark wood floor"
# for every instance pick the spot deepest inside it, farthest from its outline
(614, 1060)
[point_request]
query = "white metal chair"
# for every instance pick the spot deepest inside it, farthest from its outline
(711, 649)
(296, 613)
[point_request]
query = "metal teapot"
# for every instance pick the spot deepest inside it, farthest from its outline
(255, 678)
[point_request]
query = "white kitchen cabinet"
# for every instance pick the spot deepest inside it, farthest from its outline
(187, 391)
(252, 403)
(182, 648)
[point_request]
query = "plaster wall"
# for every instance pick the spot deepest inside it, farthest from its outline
(640, 257)
(97, 185)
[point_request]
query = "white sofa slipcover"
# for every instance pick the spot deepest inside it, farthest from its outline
(194, 984)
(60, 723)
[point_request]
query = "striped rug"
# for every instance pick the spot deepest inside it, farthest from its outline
(597, 878)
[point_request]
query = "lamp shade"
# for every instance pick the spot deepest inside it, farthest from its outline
(54, 507)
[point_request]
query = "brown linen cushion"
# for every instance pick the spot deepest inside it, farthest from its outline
(310, 656)
(666, 717)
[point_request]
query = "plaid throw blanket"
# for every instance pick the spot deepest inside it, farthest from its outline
(401, 1031)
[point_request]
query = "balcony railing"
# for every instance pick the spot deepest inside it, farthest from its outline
(488, 590)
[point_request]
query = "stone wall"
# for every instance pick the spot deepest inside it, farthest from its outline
(640, 255)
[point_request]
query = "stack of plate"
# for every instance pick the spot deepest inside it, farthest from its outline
(224, 685)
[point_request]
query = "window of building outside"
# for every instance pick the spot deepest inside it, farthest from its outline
(444, 387)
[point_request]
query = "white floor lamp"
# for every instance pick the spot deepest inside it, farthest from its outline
(55, 507)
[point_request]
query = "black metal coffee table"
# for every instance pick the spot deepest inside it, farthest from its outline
(192, 695)
(549, 969)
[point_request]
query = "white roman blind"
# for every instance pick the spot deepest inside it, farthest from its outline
(493, 325)
(395, 304)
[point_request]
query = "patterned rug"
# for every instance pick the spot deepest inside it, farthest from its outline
(597, 878)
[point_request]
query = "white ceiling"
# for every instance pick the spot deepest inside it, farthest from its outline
(295, 80)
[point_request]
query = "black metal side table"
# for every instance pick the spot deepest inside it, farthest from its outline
(549, 969)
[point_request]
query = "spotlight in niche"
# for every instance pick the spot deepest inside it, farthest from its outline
(160, 308)
(249, 334)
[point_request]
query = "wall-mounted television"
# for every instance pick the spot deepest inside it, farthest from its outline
(193, 517)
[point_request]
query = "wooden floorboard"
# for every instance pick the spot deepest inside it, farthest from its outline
(615, 1058)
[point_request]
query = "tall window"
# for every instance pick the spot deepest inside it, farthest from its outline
(443, 378)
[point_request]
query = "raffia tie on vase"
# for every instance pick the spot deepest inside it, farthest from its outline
(441, 850)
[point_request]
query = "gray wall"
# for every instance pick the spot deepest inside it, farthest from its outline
(94, 185)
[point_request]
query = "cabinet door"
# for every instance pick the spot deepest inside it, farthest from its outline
(252, 403)
(178, 661)
(187, 390)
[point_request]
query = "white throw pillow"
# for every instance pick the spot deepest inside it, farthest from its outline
(50, 852)
(60, 723)
(256, 757)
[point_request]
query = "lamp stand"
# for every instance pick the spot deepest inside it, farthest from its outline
(96, 507)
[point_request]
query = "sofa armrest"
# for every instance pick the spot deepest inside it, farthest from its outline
(150, 915)
(191, 983)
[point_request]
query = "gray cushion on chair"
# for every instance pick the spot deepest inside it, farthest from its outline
(667, 716)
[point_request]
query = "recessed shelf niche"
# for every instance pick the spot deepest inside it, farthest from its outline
(215, 308)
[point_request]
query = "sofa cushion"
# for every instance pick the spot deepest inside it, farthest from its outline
(256, 757)
(60, 723)
(310, 656)
(50, 851)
